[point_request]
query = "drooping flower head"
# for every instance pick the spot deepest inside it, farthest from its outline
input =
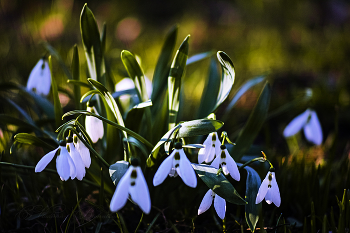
(219, 204)
(83, 151)
(269, 190)
(211, 148)
(78, 162)
(39, 79)
(176, 163)
(133, 182)
(308, 121)
(64, 163)
(226, 162)
(93, 125)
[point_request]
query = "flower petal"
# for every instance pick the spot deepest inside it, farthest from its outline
(313, 130)
(232, 166)
(187, 174)
(45, 160)
(262, 190)
(63, 165)
(206, 202)
(84, 153)
(296, 124)
(163, 170)
(220, 206)
(78, 162)
(40, 78)
(94, 126)
(121, 193)
(216, 161)
(140, 193)
(202, 155)
(210, 154)
(275, 191)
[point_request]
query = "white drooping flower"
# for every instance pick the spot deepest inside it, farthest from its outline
(211, 148)
(226, 162)
(308, 121)
(93, 125)
(39, 79)
(64, 163)
(78, 162)
(219, 204)
(83, 151)
(176, 163)
(269, 190)
(134, 183)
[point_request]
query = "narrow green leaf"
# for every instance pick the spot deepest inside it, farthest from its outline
(91, 41)
(218, 183)
(10, 120)
(176, 73)
(103, 38)
(26, 138)
(117, 171)
(228, 78)
(162, 68)
(76, 77)
(56, 100)
(253, 125)
(21, 111)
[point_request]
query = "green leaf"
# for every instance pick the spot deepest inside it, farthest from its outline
(26, 138)
(117, 171)
(252, 210)
(76, 77)
(253, 125)
(7, 119)
(91, 41)
(162, 68)
(56, 100)
(134, 117)
(21, 111)
(176, 73)
(218, 183)
(227, 80)
(135, 73)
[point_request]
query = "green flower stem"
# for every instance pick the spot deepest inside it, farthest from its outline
(260, 159)
(138, 225)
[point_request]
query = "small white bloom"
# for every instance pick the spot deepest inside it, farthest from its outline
(269, 190)
(212, 148)
(176, 162)
(219, 204)
(64, 163)
(94, 126)
(308, 121)
(83, 151)
(78, 162)
(39, 79)
(226, 162)
(133, 182)
(128, 83)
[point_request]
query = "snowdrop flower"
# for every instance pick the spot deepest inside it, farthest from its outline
(176, 163)
(93, 125)
(133, 182)
(83, 151)
(308, 121)
(78, 162)
(269, 190)
(128, 83)
(64, 163)
(212, 148)
(219, 204)
(39, 79)
(226, 162)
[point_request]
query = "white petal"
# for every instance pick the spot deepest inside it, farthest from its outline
(275, 191)
(125, 84)
(232, 166)
(296, 124)
(84, 153)
(262, 190)
(78, 162)
(206, 202)
(220, 206)
(163, 170)
(313, 130)
(72, 168)
(40, 78)
(187, 174)
(140, 193)
(268, 196)
(94, 126)
(201, 155)
(45, 160)
(216, 162)
(121, 193)
(62, 164)
(210, 154)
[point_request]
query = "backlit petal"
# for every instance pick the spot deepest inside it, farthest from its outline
(94, 126)
(201, 155)
(296, 124)
(216, 162)
(187, 174)
(45, 160)
(78, 162)
(163, 170)
(63, 165)
(140, 193)
(313, 130)
(84, 153)
(40, 78)
(268, 196)
(210, 154)
(232, 166)
(275, 191)
(121, 193)
(206, 202)
(220, 206)
(262, 190)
